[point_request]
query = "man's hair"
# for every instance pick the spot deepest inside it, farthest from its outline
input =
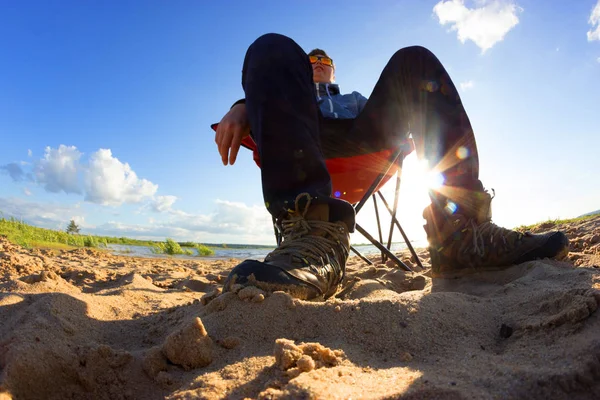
(319, 52)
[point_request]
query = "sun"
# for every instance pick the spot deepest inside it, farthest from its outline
(416, 180)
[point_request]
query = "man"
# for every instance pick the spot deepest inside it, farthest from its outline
(295, 112)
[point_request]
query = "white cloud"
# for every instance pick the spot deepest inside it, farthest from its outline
(79, 220)
(29, 152)
(59, 169)
(230, 223)
(109, 181)
(163, 203)
(230, 218)
(45, 215)
(103, 179)
(485, 25)
(464, 86)
(594, 21)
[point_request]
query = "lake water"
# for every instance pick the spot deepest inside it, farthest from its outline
(242, 254)
(220, 254)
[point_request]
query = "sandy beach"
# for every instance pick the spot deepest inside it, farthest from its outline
(86, 324)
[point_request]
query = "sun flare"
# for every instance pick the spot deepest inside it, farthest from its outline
(415, 182)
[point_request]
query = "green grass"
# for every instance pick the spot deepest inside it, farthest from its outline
(49, 245)
(31, 236)
(553, 222)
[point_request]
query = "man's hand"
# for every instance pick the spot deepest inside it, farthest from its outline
(231, 130)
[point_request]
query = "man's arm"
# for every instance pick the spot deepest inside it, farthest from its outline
(360, 100)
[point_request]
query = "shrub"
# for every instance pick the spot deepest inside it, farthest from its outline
(90, 241)
(170, 247)
(204, 250)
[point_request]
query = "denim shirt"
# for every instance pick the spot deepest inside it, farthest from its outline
(333, 104)
(338, 106)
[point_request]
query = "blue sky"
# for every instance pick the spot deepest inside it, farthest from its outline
(105, 106)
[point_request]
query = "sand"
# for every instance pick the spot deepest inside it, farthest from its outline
(90, 325)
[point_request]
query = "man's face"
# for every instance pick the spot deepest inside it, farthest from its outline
(322, 73)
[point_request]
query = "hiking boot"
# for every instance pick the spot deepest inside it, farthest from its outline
(468, 241)
(309, 263)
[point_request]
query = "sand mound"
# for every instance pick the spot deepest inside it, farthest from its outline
(86, 324)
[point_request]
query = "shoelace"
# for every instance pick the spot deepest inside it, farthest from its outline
(314, 250)
(480, 231)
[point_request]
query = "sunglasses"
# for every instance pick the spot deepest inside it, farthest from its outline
(322, 59)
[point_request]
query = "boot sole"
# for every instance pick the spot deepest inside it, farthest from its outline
(270, 279)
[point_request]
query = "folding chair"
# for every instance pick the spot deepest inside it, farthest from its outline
(358, 178)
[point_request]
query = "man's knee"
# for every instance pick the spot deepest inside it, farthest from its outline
(413, 53)
(271, 54)
(274, 45)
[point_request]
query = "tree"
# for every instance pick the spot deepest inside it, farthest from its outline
(72, 228)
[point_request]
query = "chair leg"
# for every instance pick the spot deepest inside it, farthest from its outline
(383, 249)
(357, 207)
(378, 226)
(396, 195)
(395, 221)
(392, 160)
(358, 253)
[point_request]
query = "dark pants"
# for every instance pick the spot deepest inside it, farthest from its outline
(414, 95)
